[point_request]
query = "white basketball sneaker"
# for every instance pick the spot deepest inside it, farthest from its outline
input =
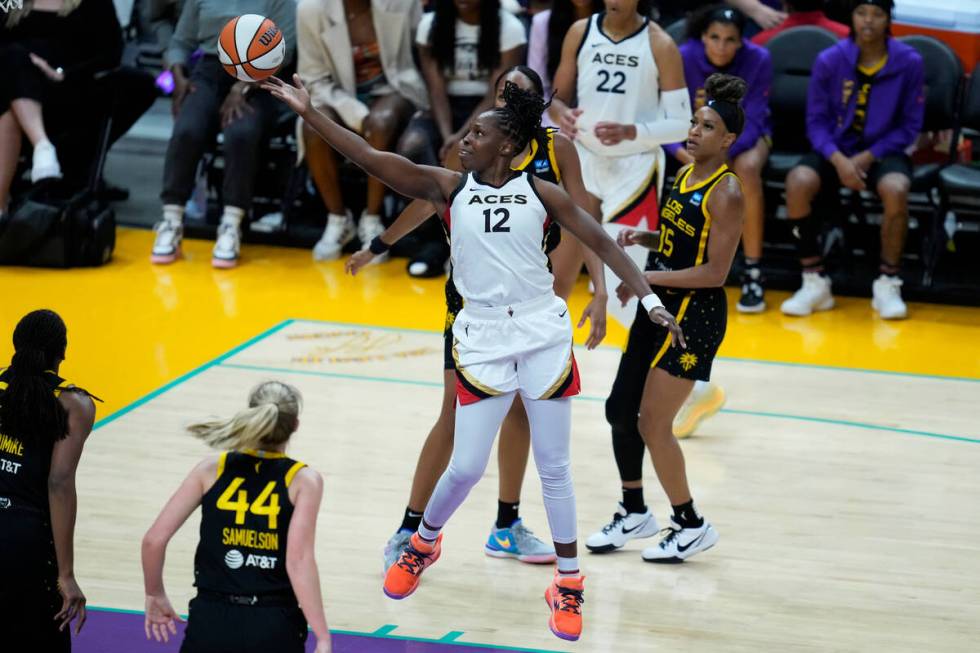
(706, 399)
(814, 295)
(44, 164)
(624, 526)
(227, 246)
(339, 232)
(367, 229)
(166, 244)
(679, 544)
(887, 298)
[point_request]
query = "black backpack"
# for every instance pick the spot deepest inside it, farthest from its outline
(50, 230)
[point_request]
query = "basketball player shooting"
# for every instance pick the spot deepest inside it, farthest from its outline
(513, 334)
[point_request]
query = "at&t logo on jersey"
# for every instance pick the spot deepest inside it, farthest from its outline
(235, 560)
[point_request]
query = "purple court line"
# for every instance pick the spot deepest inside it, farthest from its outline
(122, 632)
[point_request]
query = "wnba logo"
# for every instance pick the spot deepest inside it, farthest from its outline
(269, 35)
(234, 559)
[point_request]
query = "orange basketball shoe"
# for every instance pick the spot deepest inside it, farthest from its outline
(403, 577)
(564, 596)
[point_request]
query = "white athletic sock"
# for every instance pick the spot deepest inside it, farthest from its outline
(429, 534)
(476, 429)
(232, 215)
(369, 218)
(173, 213)
(568, 567)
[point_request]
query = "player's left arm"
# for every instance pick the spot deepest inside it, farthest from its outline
(727, 209)
(571, 179)
(584, 227)
(160, 614)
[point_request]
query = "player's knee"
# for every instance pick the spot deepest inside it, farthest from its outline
(894, 188)
(802, 181)
(464, 474)
(619, 415)
(653, 426)
(556, 480)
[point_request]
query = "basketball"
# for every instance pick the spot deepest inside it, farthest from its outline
(251, 48)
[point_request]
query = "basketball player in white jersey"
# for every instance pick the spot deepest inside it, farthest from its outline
(627, 77)
(513, 333)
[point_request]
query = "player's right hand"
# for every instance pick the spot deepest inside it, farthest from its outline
(569, 119)
(662, 317)
(72, 604)
(357, 261)
(160, 619)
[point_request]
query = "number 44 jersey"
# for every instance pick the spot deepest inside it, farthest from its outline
(244, 524)
(618, 81)
(497, 238)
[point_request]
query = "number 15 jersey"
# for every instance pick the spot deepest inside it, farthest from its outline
(497, 241)
(244, 524)
(618, 81)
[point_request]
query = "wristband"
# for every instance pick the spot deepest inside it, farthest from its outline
(378, 246)
(651, 302)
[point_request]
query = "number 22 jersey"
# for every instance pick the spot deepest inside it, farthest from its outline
(244, 524)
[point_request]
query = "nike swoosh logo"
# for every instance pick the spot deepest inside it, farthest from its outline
(630, 530)
(563, 313)
(682, 548)
(502, 543)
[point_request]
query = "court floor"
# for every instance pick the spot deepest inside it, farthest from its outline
(841, 474)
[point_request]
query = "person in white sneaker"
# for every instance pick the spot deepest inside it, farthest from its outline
(691, 256)
(205, 100)
(860, 138)
(357, 64)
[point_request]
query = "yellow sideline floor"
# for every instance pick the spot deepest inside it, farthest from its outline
(841, 475)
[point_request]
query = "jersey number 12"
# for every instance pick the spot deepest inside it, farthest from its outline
(499, 226)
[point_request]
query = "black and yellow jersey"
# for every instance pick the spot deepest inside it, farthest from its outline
(24, 466)
(685, 222)
(244, 524)
(541, 161)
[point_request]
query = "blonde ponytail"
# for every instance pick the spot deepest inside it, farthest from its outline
(270, 420)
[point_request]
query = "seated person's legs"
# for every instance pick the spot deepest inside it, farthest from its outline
(24, 90)
(803, 184)
(419, 143)
(324, 165)
(892, 179)
(748, 166)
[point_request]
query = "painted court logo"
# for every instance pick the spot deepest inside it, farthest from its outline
(234, 559)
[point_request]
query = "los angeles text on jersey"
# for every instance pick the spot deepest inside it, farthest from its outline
(498, 199)
(671, 213)
(14, 447)
(250, 538)
(613, 59)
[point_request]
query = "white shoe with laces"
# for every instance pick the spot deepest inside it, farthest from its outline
(44, 164)
(166, 244)
(227, 246)
(367, 230)
(679, 543)
(624, 526)
(814, 295)
(339, 232)
(886, 298)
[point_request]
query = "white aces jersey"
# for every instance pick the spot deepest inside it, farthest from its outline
(618, 81)
(496, 240)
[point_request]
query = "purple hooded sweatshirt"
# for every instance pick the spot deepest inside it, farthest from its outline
(896, 105)
(753, 64)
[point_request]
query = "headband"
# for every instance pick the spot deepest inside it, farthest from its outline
(726, 15)
(885, 5)
(729, 112)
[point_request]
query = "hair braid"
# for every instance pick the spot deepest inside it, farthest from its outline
(520, 117)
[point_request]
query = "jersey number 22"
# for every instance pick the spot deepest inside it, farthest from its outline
(619, 79)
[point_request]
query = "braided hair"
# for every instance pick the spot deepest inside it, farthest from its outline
(442, 38)
(520, 117)
(29, 410)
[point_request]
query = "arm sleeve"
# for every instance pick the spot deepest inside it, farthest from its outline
(819, 117)
(672, 123)
(184, 40)
(424, 28)
(911, 113)
(315, 68)
(537, 48)
(756, 106)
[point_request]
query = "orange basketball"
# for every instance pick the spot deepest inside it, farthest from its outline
(251, 47)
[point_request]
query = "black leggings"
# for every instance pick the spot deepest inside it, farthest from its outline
(623, 404)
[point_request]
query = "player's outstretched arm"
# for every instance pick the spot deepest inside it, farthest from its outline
(584, 227)
(396, 172)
